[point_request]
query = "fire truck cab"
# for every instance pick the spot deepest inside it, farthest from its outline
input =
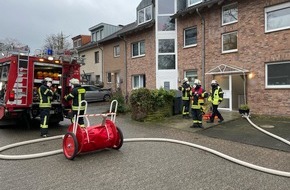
(20, 77)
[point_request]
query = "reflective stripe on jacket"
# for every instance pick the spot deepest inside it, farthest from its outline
(186, 91)
(77, 95)
(217, 96)
(45, 95)
(198, 96)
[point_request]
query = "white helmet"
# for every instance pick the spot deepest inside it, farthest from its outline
(185, 79)
(48, 79)
(214, 82)
(197, 82)
(74, 81)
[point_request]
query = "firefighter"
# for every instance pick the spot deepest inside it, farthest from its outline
(77, 95)
(198, 95)
(185, 88)
(216, 98)
(45, 96)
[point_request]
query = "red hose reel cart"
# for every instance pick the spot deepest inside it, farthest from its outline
(85, 139)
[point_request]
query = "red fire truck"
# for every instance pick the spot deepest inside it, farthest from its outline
(20, 77)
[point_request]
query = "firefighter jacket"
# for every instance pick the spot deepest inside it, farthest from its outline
(77, 95)
(198, 95)
(45, 96)
(216, 96)
(186, 91)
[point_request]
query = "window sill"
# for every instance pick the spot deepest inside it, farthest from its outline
(189, 46)
(230, 51)
(138, 56)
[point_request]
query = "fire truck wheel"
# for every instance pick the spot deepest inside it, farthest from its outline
(120, 141)
(70, 145)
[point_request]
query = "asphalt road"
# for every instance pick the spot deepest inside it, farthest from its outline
(139, 165)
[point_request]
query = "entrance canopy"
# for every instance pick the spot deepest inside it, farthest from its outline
(226, 69)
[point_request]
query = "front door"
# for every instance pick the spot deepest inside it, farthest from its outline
(225, 82)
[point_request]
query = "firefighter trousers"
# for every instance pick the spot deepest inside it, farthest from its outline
(215, 112)
(44, 118)
(197, 117)
(81, 119)
(185, 107)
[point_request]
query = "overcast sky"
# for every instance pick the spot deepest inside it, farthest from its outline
(31, 21)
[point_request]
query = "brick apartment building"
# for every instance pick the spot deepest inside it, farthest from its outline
(243, 44)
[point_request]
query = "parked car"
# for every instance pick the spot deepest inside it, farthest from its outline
(94, 93)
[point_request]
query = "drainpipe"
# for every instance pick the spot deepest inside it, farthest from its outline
(125, 62)
(203, 48)
(102, 62)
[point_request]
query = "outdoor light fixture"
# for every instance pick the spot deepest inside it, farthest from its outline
(251, 75)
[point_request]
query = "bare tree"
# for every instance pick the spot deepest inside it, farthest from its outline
(57, 42)
(9, 43)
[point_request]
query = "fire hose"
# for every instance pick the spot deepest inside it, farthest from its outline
(234, 160)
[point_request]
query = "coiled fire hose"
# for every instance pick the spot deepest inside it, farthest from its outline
(234, 160)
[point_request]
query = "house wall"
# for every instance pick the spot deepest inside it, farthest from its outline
(90, 66)
(255, 49)
(145, 64)
(114, 64)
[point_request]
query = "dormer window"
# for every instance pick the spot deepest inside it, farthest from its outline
(145, 15)
(193, 2)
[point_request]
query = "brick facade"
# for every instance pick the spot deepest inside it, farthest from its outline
(255, 49)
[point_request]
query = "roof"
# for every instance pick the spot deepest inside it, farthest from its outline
(226, 69)
(192, 9)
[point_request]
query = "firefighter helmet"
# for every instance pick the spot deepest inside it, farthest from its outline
(74, 81)
(48, 79)
(185, 79)
(197, 82)
(214, 82)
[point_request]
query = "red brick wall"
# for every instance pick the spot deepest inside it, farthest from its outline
(255, 49)
(142, 65)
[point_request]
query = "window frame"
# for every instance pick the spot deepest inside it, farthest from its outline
(109, 77)
(267, 86)
(144, 14)
(184, 36)
(139, 49)
(272, 9)
(232, 22)
(117, 51)
(139, 81)
(97, 57)
(189, 4)
(232, 50)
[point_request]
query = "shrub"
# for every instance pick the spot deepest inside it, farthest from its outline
(155, 104)
(122, 106)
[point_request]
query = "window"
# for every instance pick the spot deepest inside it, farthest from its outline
(193, 2)
(97, 57)
(77, 43)
(277, 17)
(191, 75)
(138, 49)
(165, 23)
(98, 78)
(109, 77)
(138, 81)
(278, 75)
(230, 14)
(166, 6)
(145, 15)
(190, 37)
(116, 51)
(230, 42)
(166, 57)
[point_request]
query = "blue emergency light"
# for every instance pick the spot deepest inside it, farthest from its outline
(49, 51)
